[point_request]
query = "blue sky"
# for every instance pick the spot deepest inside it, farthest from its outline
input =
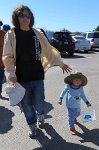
(74, 15)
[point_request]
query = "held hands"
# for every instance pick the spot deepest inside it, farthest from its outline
(66, 69)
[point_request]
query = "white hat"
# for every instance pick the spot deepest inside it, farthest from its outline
(15, 92)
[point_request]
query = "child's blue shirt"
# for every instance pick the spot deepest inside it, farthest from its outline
(73, 96)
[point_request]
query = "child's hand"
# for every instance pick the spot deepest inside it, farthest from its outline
(88, 105)
(60, 102)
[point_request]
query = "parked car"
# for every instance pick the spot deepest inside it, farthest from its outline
(81, 44)
(63, 42)
(93, 37)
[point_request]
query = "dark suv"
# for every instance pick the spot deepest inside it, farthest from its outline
(63, 42)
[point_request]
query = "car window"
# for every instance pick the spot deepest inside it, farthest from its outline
(57, 36)
(64, 35)
(90, 35)
(69, 36)
(61, 36)
(96, 35)
(84, 34)
(79, 37)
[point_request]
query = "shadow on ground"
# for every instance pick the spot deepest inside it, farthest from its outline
(75, 56)
(5, 120)
(48, 108)
(54, 141)
(89, 135)
(71, 57)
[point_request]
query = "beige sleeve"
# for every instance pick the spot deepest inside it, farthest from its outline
(52, 54)
(8, 57)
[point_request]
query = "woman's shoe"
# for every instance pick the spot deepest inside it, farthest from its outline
(33, 130)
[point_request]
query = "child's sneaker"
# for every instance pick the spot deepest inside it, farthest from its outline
(33, 130)
(73, 131)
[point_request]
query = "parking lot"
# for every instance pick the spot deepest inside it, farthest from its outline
(55, 133)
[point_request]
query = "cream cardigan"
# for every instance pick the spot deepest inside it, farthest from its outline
(49, 55)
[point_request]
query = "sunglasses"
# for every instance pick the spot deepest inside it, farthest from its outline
(24, 16)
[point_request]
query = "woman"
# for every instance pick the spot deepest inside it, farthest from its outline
(28, 50)
(2, 77)
(2, 33)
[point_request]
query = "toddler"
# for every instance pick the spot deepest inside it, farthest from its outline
(74, 93)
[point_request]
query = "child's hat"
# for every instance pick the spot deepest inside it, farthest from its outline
(79, 75)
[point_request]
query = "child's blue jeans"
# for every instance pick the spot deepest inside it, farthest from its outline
(33, 100)
(72, 114)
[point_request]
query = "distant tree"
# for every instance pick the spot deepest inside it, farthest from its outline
(76, 33)
(97, 28)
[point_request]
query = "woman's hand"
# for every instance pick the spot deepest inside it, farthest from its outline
(66, 68)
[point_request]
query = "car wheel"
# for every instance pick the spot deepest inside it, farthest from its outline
(70, 53)
(86, 51)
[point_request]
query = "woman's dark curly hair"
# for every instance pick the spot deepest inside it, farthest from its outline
(18, 11)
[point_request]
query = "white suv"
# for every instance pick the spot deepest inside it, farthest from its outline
(93, 37)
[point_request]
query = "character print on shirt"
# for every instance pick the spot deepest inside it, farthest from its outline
(37, 48)
(76, 97)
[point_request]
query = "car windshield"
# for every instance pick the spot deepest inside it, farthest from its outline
(62, 36)
(83, 34)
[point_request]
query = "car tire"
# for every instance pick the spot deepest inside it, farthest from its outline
(86, 51)
(71, 53)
